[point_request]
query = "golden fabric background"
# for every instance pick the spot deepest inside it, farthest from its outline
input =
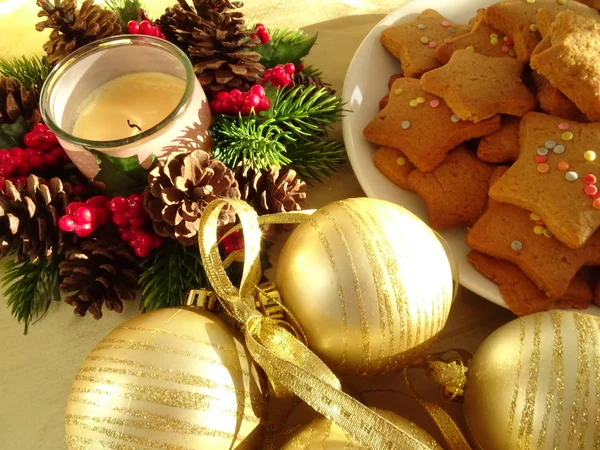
(36, 371)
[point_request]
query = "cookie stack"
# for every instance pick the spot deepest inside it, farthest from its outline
(496, 125)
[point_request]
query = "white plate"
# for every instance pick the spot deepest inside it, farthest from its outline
(365, 84)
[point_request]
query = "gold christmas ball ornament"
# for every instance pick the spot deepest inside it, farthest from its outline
(321, 433)
(535, 384)
(174, 378)
(369, 282)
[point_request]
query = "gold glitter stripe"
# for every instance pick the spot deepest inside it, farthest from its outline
(163, 396)
(558, 357)
(579, 412)
(527, 413)
(130, 344)
(557, 365)
(332, 262)
(326, 433)
(366, 226)
(74, 441)
(513, 402)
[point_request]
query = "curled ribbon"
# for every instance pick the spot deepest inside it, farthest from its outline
(289, 364)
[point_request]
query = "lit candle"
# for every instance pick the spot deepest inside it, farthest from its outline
(127, 105)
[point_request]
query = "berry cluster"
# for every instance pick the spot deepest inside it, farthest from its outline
(234, 102)
(280, 75)
(85, 218)
(233, 242)
(129, 215)
(262, 33)
(145, 27)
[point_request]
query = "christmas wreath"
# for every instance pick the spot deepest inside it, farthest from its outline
(67, 238)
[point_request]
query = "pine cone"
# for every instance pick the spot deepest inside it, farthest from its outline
(29, 218)
(16, 101)
(99, 270)
(301, 79)
(272, 191)
(179, 190)
(214, 36)
(73, 28)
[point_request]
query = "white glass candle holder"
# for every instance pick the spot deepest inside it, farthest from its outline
(94, 65)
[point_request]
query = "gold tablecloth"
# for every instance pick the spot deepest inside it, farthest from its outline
(36, 370)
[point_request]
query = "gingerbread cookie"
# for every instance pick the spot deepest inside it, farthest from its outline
(521, 294)
(455, 192)
(554, 102)
(394, 165)
(503, 145)
(517, 19)
(556, 176)
(571, 64)
(478, 87)
(597, 293)
(482, 38)
(422, 126)
(591, 3)
(414, 43)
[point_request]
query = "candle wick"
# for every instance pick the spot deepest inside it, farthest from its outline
(133, 125)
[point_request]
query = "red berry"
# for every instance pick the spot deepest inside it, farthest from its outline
(35, 161)
(263, 36)
(133, 27)
(157, 241)
(278, 71)
(120, 219)
(30, 140)
(301, 67)
(264, 104)
(253, 36)
(17, 152)
(162, 36)
(245, 110)
(58, 152)
(226, 105)
(228, 248)
(252, 101)
(48, 137)
(84, 229)
(290, 68)
(257, 89)
(235, 109)
(72, 207)
(98, 200)
(86, 214)
(142, 251)
(155, 31)
(39, 128)
(5, 155)
(146, 27)
(119, 205)
(66, 223)
(6, 169)
(146, 240)
(50, 159)
(127, 234)
(259, 26)
(136, 223)
(216, 107)
(136, 199)
(222, 96)
(234, 94)
(24, 169)
(18, 160)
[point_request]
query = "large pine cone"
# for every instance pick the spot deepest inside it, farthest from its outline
(73, 28)
(214, 36)
(179, 191)
(16, 101)
(273, 191)
(99, 270)
(29, 218)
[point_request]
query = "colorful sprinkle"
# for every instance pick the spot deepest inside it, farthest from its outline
(405, 125)
(550, 144)
(432, 44)
(494, 41)
(567, 136)
(564, 126)
(530, 1)
(401, 161)
(542, 151)
(398, 91)
(454, 118)
(559, 149)
(505, 38)
(538, 229)
(434, 103)
(590, 155)
(596, 203)
(539, 222)
(421, 26)
(590, 190)
(446, 23)
(590, 178)
(534, 216)
(509, 41)
(470, 48)
(516, 245)
(562, 2)
(547, 233)
(512, 53)
(420, 100)
(493, 36)
(533, 27)
(563, 166)
(543, 168)
(413, 103)
(541, 159)
(505, 48)
(571, 176)
(424, 39)
(451, 29)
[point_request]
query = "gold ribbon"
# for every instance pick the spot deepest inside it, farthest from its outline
(289, 364)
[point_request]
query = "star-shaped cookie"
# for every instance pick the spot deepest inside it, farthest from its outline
(456, 191)
(571, 64)
(478, 87)
(482, 38)
(414, 43)
(517, 18)
(553, 101)
(422, 126)
(556, 176)
(521, 294)
(394, 165)
(503, 145)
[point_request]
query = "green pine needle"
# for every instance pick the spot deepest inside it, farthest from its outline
(30, 287)
(288, 36)
(168, 274)
(30, 71)
(126, 10)
(316, 159)
(259, 143)
(313, 72)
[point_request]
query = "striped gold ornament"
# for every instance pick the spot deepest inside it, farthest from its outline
(369, 282)
(534, 384)
(174, 379)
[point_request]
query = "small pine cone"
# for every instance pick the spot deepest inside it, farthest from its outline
(16, 101)
(99, 270)
(179, 191)
(273, 191)
(29, 218)
(300, 79)
(73, 28)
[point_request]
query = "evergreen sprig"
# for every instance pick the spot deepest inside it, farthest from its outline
(126, 10)
(286, 45)
(168, 273)
(316, 159)
(30, 71)
(313, 72)
(288, 36)
(30, 287)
